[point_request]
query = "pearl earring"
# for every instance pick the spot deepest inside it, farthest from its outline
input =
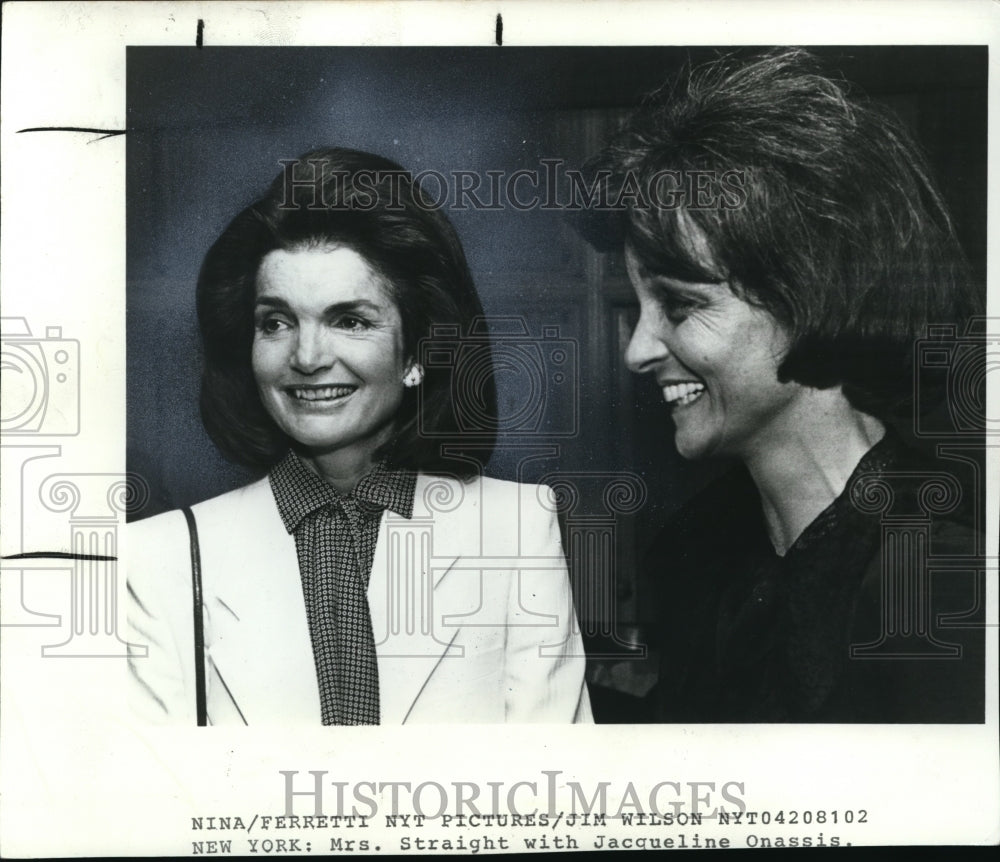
(414, 376)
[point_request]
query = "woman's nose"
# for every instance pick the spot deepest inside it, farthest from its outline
(645, 349)
(312, 352)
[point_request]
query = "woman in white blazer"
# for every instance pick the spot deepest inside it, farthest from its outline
(373, 576)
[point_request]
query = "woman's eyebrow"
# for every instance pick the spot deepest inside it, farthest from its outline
(352, 305)
(669, 284)
(270, 302)
(336, 308)
(685, 274)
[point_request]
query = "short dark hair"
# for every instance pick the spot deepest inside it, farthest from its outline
(825, 214)
(371, 205)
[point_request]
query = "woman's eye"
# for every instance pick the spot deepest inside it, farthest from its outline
(352, 323)
(271, 325)
(676, 308)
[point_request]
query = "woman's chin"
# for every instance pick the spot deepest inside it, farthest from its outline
(690, 454)
(691, 447)
(321, 443)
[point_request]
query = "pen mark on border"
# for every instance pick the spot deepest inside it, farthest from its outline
(104, 133)
(499, 29)
(60, 555)
(199, 39)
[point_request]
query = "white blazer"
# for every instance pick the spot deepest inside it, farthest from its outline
(470, 600)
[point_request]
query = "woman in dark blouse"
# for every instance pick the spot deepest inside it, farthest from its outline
(788, 250)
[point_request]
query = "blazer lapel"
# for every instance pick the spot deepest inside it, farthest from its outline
(413, 587)
(258, 631)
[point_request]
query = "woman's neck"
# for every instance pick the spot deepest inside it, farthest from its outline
(803, 467)
(343, 470)
(344, 466)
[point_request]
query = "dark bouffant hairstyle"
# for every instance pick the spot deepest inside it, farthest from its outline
(371, 205)
(817, 206)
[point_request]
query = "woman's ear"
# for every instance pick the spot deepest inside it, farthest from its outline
(414, 376)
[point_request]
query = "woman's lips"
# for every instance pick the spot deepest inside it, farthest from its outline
(680, 394)
(319, 393)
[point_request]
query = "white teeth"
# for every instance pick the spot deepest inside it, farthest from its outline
(327, 392)
(682, 393)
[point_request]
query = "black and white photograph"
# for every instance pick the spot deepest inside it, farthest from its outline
(764, 296)
(434, 428)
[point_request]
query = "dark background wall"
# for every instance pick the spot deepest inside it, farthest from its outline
(206, 130)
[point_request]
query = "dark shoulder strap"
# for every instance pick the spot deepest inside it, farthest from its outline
(199, 623)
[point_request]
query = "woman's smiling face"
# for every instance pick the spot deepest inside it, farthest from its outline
(328, 352)
(715, 358)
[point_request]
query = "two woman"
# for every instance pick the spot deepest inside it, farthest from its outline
(780, 304)
(787, 248)
(373, 576)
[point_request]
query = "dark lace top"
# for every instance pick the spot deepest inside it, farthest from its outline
(825, 633)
